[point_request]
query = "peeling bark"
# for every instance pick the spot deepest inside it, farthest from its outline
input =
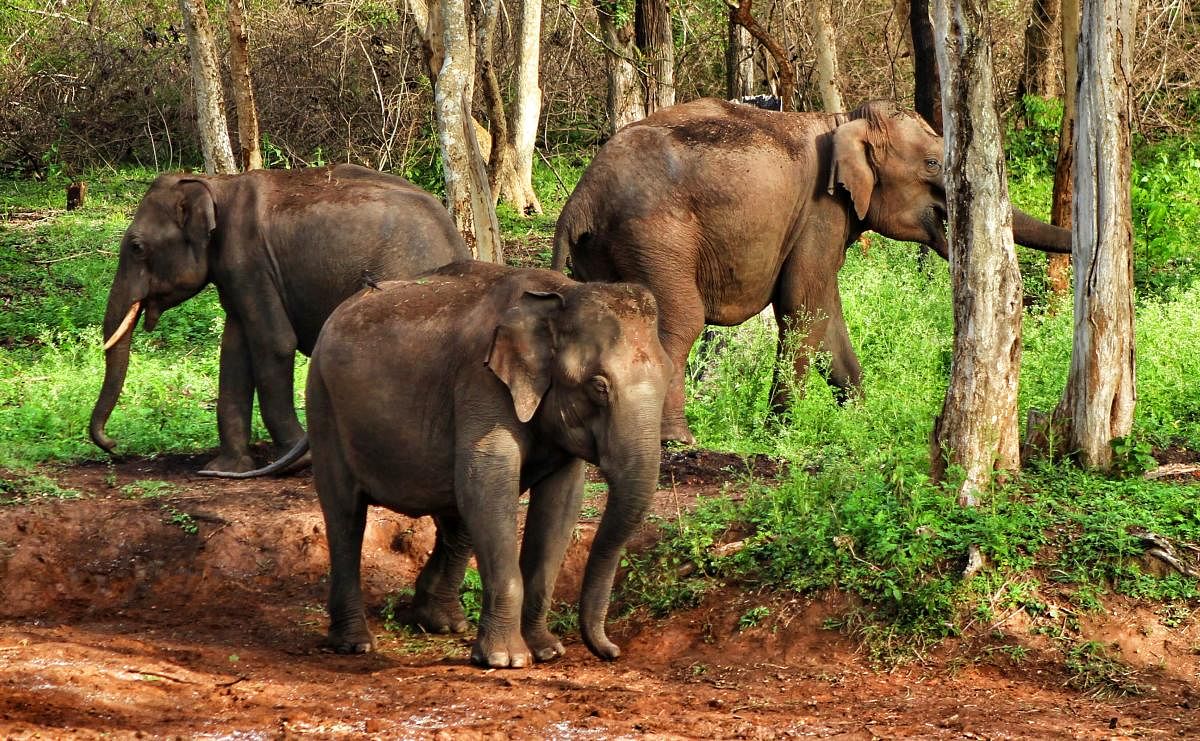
(625, 102)
(516, 181)
(827, 59)
(739, 60)
(206, 85)
(652, 22)
(977, 429)
(243, 87)
(1097, 405)
(1058, 268)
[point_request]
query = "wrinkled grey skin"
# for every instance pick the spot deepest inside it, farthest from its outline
(450, 395)
(721, 209)
(283, 248)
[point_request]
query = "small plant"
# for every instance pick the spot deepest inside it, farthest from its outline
(1093, 671)
(181, 519)
(148, 489)
(753, 617)
(35, 486)
(472, 595)
(1131, 456)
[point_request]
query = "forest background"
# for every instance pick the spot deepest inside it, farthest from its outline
(101, 91)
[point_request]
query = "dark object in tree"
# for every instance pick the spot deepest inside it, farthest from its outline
(76, 195)
(787, 77)
(766, 102)
(927, 90)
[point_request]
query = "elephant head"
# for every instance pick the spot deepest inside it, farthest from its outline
(584, 365)
(163, 261)
(890, 162)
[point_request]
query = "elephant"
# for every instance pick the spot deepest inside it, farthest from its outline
(722, 209)
(283, 248)
(451, 394)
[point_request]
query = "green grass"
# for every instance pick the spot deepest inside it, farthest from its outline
(856, 510)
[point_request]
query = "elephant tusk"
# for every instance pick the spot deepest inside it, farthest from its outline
(126, 325)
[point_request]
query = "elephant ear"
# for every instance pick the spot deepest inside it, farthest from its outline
(195, 213)
(851, 167)
(523, 349)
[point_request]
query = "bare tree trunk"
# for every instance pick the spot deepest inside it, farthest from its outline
(827, 59)
(625, 103)
(739, 60)
(468, 197)
(1038, 73)
(977, 429)
(499, 158)
(652, 20)
(1097, 405)
(927, 89)
(516, 182)
(787, 76)
(1058, 269)
(243, 87)
(206, 82)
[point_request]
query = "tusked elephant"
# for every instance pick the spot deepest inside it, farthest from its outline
(283, 248)
(721, 209)
(451, 394)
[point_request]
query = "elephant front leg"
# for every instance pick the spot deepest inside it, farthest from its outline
(554, 506)
(437, 606)
(487, 485)
(235, 397)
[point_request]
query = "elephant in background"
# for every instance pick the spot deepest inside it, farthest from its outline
(283, 248)
(722, 209)
(450, 395)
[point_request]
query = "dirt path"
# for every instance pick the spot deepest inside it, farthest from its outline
(161, 604)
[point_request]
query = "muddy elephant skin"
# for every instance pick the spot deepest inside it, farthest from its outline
(450, 395)
(283, 248)
(722, 209)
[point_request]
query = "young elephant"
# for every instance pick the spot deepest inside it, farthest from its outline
(283, 248)
(450, 395)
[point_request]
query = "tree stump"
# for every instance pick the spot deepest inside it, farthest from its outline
(76, 195)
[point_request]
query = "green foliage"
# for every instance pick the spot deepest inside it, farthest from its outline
(753, 617)
(148, 489)
(1031, 143)
(472, 595)
(22, 489)
(1093, 671)
(181, 519)
(1165, 194)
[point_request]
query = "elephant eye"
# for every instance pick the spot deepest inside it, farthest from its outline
(137, 249)
(598, 389)
(933, 165)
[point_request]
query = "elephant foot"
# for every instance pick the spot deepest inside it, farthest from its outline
(510, 652)
(676, 431)
(544, 644)
(354, 638)
(435, 617)
(231, 463)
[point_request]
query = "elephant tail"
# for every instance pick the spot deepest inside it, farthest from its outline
(285, 462)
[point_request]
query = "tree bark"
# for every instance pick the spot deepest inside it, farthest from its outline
(652, 22)
(739, 60)
(1058, 268)
(516, 183)
(927, 84)
(1038, 74)
(206, 84)
(977, 429)
(1097, 405)
(827, 58)
(468, 197)
(787, 76)
(499, 157)
(625, 102)
(243, 87)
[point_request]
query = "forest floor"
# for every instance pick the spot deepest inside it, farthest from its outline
(159, 604)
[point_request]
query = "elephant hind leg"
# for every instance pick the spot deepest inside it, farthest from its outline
(436, 606)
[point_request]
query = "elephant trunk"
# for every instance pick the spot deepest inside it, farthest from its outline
(1035, 233)
(119, 320)
(632, 473)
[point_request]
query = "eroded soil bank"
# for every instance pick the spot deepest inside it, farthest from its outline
(161, 604)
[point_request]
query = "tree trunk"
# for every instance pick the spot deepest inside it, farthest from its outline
(977, 429)
(625, 103)
(1037, 74)
(206, 82)
(499, 157)
(739, 61)
(1097, 405)
(243, 87)
(1059, 267)
(787, 77)
(516, 183)
(827, 59)
(927, 84)
(652, 21)
(468, 197)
